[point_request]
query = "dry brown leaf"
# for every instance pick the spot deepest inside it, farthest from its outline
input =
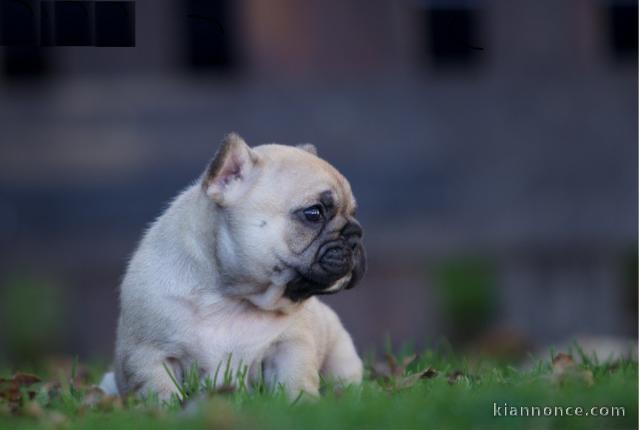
(25, 379)
(393, 374)
(92, 396)
(13, 389)
(95, 397)
(390, 368)
(226, 389)
(428, 373)
(562, 360)
(455, 376)
(565, 368)
(110, 403)
(410, 380)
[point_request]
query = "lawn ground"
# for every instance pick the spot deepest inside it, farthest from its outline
(432, 391)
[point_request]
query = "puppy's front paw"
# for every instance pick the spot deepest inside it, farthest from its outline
(163, 391)
(306, 388)
(292, 365)
(145, 373)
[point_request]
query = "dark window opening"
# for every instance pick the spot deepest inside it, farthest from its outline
(451, 35)
(623, 30)
(74, 23)
(21, 55)
(115, 23)
(209, 35)
(24, 62)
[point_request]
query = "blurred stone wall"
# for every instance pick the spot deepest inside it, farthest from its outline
(520, 155)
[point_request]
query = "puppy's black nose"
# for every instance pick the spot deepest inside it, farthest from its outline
(351, 230)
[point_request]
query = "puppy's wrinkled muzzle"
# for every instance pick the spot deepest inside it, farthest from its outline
(335, 260)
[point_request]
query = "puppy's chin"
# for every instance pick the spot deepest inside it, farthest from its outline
(301, 288)
(340, 284)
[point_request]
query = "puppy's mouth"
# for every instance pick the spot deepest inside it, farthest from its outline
(302, 287)
(332, 272)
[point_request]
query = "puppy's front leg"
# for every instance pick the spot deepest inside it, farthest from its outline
(293, 364)
(143, 370)
(342, 363)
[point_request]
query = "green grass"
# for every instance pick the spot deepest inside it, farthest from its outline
(460, 394)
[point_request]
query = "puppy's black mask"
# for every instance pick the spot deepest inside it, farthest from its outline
(335, 258)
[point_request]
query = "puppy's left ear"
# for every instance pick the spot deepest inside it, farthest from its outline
(309, 147)
(230, 168)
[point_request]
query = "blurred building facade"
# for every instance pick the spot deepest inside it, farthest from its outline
(492, 140)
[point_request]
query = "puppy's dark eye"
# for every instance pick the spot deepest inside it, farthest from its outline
(313, 213)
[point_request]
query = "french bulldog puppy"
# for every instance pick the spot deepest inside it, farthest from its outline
(231, 269)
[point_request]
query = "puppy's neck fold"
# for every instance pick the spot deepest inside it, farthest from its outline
(273, 300)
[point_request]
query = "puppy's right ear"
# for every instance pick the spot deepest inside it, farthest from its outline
(229, 169)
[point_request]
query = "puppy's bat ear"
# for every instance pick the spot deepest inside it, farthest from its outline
(231, 166)
(309, 147)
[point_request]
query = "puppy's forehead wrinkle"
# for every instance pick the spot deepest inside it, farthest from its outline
(326, 198)
(304, 167)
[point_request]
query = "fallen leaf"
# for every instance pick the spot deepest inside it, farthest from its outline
(390, 368)
(562, 361)
(110, 403)
(92, 396)
(410, 380)
(13, 390)
(455, 376)
(25, 379)
(428, 373)
(226, 389)
(564, 369)
(393, 374)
